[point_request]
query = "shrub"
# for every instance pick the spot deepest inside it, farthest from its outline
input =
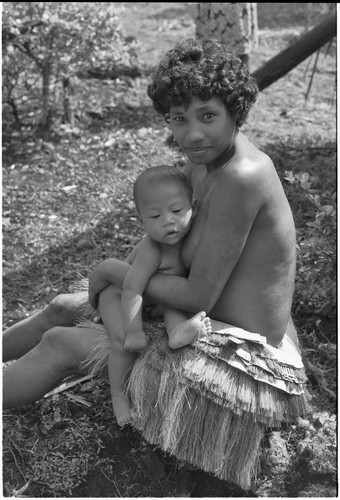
(316, 262)
(46, 44)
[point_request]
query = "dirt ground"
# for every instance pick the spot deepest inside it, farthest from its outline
(60, 210)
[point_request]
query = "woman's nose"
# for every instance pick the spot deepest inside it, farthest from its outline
(194, 133)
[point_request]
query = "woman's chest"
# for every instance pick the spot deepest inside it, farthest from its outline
(203, 191)
(196, 232)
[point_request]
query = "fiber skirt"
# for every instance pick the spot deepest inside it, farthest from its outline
(210, 403)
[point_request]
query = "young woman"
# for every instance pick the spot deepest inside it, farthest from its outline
(209, 404)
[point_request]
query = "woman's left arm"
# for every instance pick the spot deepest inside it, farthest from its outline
(235, 202)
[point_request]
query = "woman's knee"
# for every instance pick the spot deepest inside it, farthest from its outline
(64, 309)
(59, 345)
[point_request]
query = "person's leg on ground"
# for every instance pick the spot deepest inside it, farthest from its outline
(20, 338)
(58, 355)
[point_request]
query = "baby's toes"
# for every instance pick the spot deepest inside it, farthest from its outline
(207, 325)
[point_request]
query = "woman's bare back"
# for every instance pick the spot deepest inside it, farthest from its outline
(258, 293)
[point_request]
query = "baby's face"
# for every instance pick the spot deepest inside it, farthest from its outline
(166, 212)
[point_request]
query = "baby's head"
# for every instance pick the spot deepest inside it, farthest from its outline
(153, 177)
(163, 198)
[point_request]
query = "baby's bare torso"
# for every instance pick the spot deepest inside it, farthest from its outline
(171, 260)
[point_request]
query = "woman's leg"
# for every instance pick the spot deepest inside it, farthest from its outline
(57, 355)
(20, 338)
(120, 361)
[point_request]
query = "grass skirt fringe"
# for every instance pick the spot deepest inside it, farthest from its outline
(209, 403)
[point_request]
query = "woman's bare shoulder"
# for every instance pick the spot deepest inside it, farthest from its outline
(249, 165)
(250, 176)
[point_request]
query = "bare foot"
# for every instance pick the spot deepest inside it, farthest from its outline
(122, 409)
(190, 330)
(135, 342)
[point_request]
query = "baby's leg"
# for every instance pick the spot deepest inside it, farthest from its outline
(135, 341)
(120, 361)
(183, 331)
(131, 307)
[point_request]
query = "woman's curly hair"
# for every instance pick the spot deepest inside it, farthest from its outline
(203, 70)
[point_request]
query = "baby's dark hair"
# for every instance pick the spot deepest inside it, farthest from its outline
(161, 174)
(203, 70)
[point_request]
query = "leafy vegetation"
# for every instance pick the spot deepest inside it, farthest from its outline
(67, 204)
(47, 45)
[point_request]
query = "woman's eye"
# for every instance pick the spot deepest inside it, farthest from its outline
(208, 116)
(177, 119)
(154, 216)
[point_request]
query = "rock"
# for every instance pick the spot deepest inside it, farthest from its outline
(321, 419)
(276, 457)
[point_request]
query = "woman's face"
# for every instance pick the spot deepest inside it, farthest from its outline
(205, 131)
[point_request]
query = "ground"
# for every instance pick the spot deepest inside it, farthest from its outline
(67, 204)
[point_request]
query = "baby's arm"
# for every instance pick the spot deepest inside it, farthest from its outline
(144, 266)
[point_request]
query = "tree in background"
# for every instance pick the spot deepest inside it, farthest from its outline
(232, 23)
(46, 45)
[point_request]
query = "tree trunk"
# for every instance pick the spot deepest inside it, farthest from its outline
(233, 23)
(46, 112)
(15, 111)
(68, 89)
(297, 52)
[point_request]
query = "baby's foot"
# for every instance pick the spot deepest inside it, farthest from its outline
(122, 409)
(190, 330)
(135, 342)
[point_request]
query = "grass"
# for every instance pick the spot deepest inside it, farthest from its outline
(67, 205)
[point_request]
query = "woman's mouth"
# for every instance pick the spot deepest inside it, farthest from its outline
(197, 151)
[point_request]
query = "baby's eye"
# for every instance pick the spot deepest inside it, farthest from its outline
(154, 216)
(177, 210)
